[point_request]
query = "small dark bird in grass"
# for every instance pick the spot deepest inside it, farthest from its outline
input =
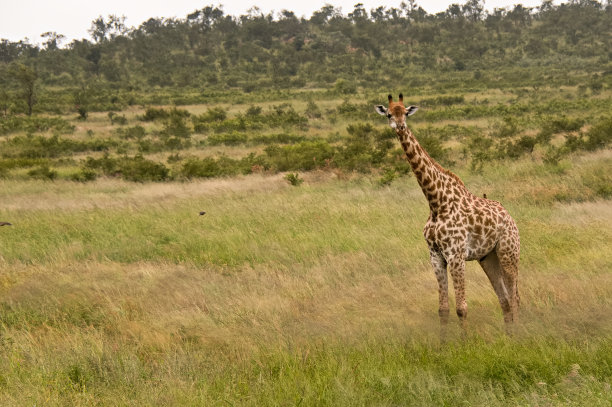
(5, 224)
(202, 213)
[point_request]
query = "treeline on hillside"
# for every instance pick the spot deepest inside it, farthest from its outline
(380, 47)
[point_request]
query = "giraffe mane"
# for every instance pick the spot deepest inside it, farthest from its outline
(439, 167)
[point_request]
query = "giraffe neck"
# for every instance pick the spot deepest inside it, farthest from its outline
(432, 178)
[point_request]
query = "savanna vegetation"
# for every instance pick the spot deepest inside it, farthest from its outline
(307, 281)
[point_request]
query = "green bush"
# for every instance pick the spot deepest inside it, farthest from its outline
(32, 124)
(344, 87)
(433, 146)
(480, 149)
(215, 114)
(253, 111)
(388, 176)
(560, 124)
(43, 172)
(135, 132)
(47, 147)
(84, 175)
(278, 138)
(284, 115)
(443, 100)
(312, 110)
(304, 156)
(152, 114)
(228, 139)
(294, 179)
(209, 167)
(508, 128)
(116, 119)
(176, 126)
(524, 145)
(600, 182)
(599, 136)
(137, 168)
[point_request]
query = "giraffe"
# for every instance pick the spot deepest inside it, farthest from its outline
(460, 227)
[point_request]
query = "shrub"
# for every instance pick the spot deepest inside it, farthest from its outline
(139, 169)
(135, 132)
(523, 145)
(444, 100)
(43, 172)
(83, 112)
(361, 131)
(47, 147)
(84, 175)
(294, 179)
(176, 126)
(173, 143)
(108, 165)
(507, 128)
(480, 149)
(115, 118)
(152, 114)
(312, 110)
(31, 124)
(554, 155)
(209, 167)
(253, 111)
(279, 138)
(344, 87)
(284, 115)
(600, 182)
(347, 108)
(174, 158)
(560, 124)
(228, 139)
(433, 146)
(599, 136)
(215, 114)
(388, 176)
(304, 156)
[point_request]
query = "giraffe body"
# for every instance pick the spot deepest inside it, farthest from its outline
(461, 226)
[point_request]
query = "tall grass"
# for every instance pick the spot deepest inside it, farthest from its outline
(114, 293)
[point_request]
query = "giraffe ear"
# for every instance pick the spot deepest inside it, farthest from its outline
(381, 110)
(410, 110)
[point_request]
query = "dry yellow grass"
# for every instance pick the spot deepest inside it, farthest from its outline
(111, 286)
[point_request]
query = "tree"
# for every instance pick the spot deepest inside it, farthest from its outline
(53, 40)
(473, 10)
(102, 30)
(26, 77)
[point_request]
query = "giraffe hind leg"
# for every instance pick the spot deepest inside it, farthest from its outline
(495, 272)
(510, 274)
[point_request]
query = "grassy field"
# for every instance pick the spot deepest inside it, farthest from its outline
(119, 293)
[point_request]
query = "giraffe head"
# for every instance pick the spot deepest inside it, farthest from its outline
(396, 112)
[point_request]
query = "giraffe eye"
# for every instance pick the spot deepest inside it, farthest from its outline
(389, 115)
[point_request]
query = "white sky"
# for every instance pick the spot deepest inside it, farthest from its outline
(30, 18)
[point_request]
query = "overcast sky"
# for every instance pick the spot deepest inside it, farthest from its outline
(30, 18)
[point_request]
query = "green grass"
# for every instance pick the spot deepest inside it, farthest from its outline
(115, 293)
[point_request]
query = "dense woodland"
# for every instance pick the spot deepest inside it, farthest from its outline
(381, 47)
(290, 94)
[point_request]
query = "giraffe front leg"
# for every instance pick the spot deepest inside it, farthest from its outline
(439, 265)
(456, 267)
